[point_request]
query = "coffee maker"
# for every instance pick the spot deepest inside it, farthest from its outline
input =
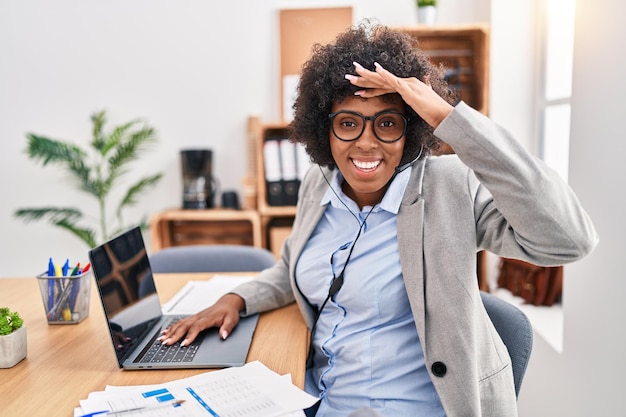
(198, 183)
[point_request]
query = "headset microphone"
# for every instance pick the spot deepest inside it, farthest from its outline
(402, 167)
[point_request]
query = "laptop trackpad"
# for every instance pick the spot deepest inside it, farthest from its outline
(218, 353)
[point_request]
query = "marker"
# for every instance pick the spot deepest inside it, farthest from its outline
(66, 267)
(75, 287)
(75, 270)
(51, 273)
(86, 268)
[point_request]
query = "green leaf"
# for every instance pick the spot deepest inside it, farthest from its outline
(129, 149)
(51, 151)
(65, 218)
(98, 119)
(86, 235)
(54, 214)
(131, 195)
(115, 138)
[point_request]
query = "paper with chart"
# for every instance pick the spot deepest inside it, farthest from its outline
(198, 295)
(250, 390)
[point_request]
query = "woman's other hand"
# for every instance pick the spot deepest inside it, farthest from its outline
(417, 94)
(223, 314)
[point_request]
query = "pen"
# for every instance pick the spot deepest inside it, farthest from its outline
(51, 273)
(173, 403)
(58, 284)
(75, 287)
(66, 267)
(97, 413)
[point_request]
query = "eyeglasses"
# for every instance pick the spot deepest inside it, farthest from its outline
(347, 126)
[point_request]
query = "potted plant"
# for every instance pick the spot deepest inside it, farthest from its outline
(12, 338)
(99, 171)
(426, 11)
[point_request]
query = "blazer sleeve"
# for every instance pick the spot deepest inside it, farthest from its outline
(523, 209)
(273, 287)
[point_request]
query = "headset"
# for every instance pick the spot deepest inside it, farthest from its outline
(337, 281)
(402, 167)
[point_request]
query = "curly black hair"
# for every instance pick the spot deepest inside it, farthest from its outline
(322, 83)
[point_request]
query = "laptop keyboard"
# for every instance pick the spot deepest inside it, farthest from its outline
(160, 353)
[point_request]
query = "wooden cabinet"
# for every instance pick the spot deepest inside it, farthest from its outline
(464, 53)
(214, 226)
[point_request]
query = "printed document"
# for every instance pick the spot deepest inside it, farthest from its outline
(249, 390)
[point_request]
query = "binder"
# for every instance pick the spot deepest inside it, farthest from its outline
(303, 161)
(273, 172)
(286, 163)
(289, 173)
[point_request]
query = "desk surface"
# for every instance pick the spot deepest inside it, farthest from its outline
(67, 362)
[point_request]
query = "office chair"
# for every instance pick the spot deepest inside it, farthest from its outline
(211, 258)
(516, 332)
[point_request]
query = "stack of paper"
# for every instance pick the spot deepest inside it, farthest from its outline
(249, 390)
(198, 295)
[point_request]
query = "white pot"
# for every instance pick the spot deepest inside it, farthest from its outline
(13, 348)
(427, 15)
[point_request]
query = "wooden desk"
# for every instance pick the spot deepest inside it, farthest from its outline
(67, 362)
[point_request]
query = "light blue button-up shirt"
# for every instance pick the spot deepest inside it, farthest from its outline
(366, 347)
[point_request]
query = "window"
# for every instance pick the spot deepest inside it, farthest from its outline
(557, 17)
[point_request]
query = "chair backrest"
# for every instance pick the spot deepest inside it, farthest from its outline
(516, 332)
(211, 258)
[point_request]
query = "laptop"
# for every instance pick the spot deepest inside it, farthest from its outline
(132, 309)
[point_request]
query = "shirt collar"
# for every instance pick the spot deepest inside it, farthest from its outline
(390, 202)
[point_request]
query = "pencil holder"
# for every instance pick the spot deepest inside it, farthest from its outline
(65, 299)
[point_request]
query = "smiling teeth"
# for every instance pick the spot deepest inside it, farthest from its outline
(366, 165)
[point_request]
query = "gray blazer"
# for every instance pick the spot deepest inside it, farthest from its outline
(491, 195)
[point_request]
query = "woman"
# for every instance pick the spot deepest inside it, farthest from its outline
(381, 259)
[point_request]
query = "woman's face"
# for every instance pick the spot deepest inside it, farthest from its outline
(367, 164)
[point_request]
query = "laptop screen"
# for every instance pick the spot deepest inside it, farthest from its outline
(124, 280)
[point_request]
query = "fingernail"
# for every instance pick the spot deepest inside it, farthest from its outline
(356, 64)
(377, 65)
(184, 343)
(350, 77)
(224, 334)
(358, 93)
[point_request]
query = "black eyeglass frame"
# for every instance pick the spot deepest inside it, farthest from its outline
(331, 118)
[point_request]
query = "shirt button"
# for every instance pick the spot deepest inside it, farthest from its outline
(439, 369)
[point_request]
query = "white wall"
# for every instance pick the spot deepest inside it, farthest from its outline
(194, 69)
(587, 379)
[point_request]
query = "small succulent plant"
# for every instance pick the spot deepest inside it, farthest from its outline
(10, 321)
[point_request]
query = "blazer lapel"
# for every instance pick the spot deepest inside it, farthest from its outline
(411, 243)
